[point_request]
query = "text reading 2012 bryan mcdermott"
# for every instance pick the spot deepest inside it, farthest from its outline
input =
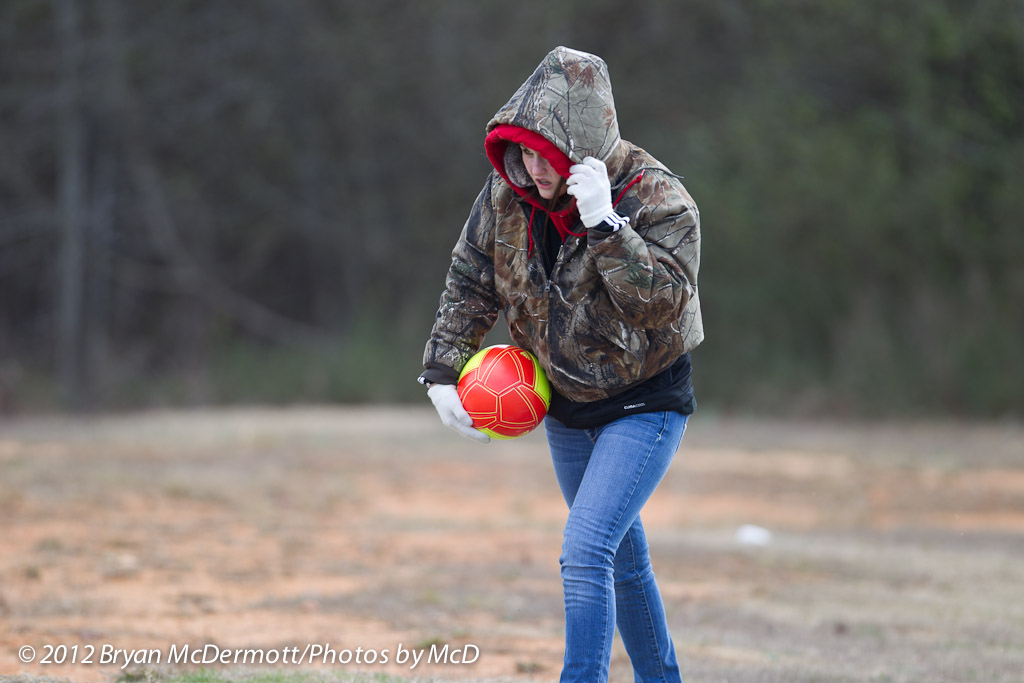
(311, 654)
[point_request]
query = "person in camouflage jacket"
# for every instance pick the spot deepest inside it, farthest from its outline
(612, 313)
(600, 284)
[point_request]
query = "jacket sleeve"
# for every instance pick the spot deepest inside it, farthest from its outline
(649, 267)
(469, 303)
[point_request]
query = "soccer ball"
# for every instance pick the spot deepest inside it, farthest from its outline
(505, 391)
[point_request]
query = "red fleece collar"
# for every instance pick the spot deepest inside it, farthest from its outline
(503, 135)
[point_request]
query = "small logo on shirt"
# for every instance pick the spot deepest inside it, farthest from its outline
(633, 406)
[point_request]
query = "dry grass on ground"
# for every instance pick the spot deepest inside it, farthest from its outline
(897, 551)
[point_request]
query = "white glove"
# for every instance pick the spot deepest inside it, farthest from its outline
(445, 398)
(590, 186)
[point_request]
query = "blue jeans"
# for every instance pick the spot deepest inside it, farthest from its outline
(606, 475)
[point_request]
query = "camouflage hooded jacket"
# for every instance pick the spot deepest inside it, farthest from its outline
(615, 310)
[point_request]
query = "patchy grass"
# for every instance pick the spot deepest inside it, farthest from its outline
(376, 527)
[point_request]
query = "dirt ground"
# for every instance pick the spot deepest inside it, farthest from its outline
(896, 551)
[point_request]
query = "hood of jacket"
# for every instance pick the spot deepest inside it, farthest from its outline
(565, 111)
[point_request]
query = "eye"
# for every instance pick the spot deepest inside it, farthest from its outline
(527, 152)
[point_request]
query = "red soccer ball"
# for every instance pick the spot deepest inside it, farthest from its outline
(505, 391)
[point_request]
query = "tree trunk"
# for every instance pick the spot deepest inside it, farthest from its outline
(70, 276)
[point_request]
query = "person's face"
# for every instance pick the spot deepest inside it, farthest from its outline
(545, 177)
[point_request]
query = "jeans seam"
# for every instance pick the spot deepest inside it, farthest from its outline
(648, 620)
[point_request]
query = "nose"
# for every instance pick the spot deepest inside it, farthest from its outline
(536, 165)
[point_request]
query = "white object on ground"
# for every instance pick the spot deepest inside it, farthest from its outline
(751, 534)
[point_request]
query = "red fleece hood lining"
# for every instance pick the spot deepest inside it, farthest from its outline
(499, 138)
(504, 134)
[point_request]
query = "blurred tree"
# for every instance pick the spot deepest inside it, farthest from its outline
(72, 207)
(195, 195)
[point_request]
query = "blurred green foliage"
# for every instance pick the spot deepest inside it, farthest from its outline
(269, 192)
